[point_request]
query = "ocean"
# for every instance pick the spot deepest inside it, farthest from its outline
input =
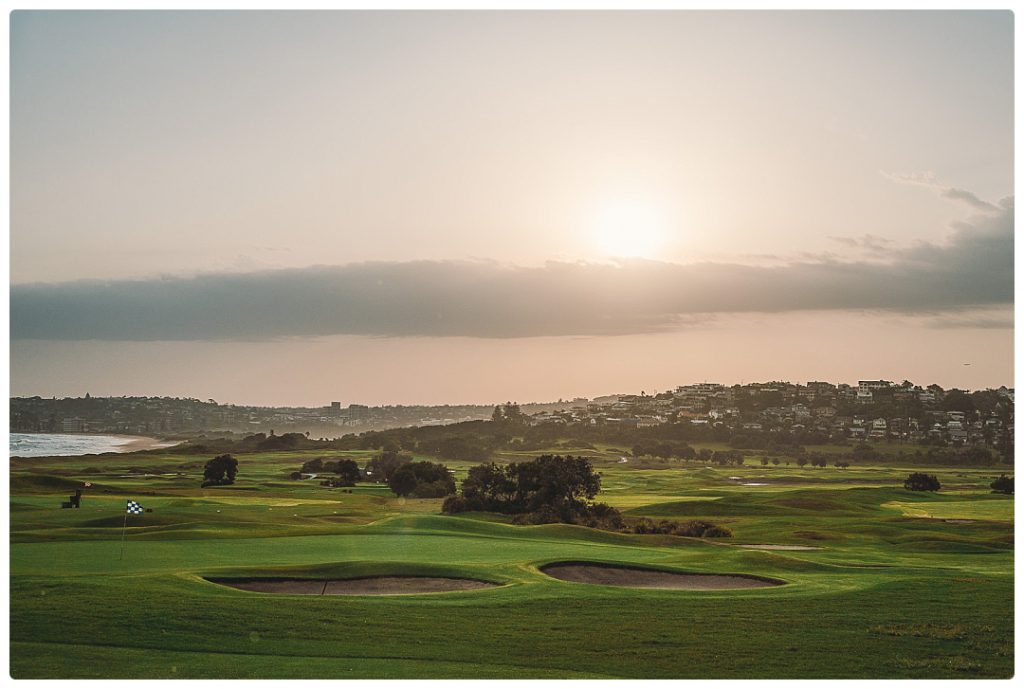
(60, 445)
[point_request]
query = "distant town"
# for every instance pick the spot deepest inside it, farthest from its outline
(822, 412)
(185, 417)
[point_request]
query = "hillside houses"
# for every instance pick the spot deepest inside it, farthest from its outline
(876, 411)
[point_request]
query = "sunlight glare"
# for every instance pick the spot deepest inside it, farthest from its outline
(629, 229)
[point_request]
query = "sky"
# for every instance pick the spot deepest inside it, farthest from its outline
(290, 208)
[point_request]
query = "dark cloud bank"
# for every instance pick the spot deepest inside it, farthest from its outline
(482, 299)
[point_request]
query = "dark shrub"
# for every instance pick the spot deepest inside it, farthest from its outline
(434, 489)
(693, 529)
(644, 526)
(919, 481)
(220, 471)
(454, 504)
(602, 516)
(422, 480)
(1003, 484)
(544, 515)
(313, 466)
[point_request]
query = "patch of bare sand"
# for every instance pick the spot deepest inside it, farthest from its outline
(609, 575)
(365, 586)
(137, 442)
(376, 586)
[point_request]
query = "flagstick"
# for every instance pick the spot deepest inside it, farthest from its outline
(123, 533)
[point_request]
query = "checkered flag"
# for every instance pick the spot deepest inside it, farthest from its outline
(134, 507)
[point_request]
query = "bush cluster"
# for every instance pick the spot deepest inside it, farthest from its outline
(694, 528)
(346, 469)
(421, 480)
(220, 471)
(548, 489)
(1003, 484)
(380, 468)
(919, 481)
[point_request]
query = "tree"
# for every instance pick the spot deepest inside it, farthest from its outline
(403, 481)
(919, 481)
(489, 486)
(381, 467)
(565, 483)
(801, 461)
(313, 466)
(288, 441)
(422, 480)
(558, 486)
(220, 471)
(958, 400)
(1003, 484)
(348, 472)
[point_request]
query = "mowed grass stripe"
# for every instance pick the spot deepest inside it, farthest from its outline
(78, 661)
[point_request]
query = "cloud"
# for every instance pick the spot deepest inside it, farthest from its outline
(928, 179)
(970, 198)
(491, 300)
(868, 244)
(970, 323)
(922, 179)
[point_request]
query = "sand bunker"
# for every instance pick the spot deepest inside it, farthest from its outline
(611, 575)
(365, 586)
(771, 546)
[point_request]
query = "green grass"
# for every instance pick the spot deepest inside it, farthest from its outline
(895, 590)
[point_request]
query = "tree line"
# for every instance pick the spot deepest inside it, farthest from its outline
(509, 431)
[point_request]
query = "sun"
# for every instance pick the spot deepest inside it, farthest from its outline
(629, 229)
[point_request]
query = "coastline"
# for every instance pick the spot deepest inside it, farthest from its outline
(125, 444)
(137, 443)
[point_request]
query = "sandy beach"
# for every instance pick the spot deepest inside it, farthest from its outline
(138, 442)
(70, 444)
